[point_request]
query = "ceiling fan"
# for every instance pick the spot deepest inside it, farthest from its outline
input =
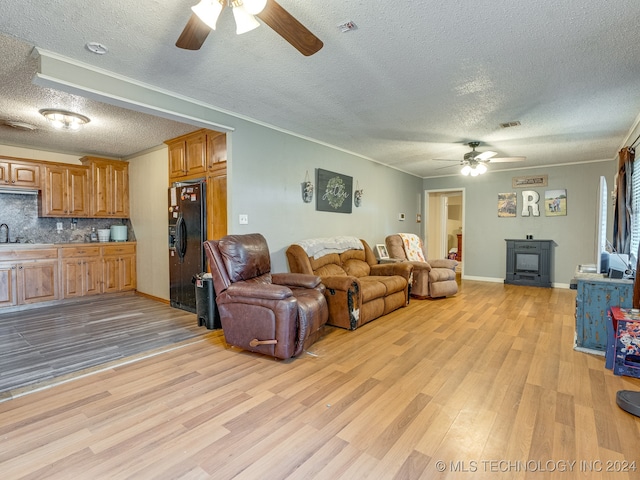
(205, 16)
(475, 163)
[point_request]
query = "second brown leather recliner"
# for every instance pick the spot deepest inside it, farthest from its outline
(279, 314)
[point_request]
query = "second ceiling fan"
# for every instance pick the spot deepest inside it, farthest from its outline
(205, 16)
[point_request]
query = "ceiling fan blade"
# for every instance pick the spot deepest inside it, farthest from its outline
(507, 159)
(485, 155)
(285, 25)
(194, 34)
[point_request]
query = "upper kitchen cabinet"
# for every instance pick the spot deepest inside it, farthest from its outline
(193, 154)
(19, 174)
(65, 192)
(110, 187)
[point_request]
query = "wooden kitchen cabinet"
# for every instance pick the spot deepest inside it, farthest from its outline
(65, 192)
(109, 187)
(118, 268)
(8, 287)
(191, 156)
(188, 156)
(203, 154)
(81, 271)
(19, 174)
(217, 202)
(28, 277)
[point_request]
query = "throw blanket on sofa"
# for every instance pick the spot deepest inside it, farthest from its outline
(318, 247)
(412, 247)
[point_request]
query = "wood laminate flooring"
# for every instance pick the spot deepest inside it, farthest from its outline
(485, 384)
(43, 345)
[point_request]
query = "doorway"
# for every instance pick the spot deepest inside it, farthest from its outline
(444, 224)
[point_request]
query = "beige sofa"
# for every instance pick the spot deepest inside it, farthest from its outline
(431, 278)
(358, 289)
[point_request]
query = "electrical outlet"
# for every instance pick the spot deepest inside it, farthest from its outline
(59, 226)
(243, 219)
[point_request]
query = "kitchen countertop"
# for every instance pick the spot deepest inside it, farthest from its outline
(35, 246)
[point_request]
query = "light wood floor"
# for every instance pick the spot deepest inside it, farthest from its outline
(485, 382)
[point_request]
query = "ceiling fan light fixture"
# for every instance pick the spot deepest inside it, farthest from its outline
(466, 170)
(254, 7)
(245, 22)
(63, 120)
(481, 168)
(208, 11)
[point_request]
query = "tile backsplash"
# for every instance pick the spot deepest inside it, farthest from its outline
(20, 212)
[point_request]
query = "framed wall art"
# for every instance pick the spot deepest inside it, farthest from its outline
(555, 203)
(507, 203)
(529, 181)
(335, 191)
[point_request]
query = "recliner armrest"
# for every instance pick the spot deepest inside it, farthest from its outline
(258, 290)
(299, 280)
(386, 269)
(443, 263)
(339, 282)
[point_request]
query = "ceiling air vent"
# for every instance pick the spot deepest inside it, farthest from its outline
(18, 125)
(510, 124)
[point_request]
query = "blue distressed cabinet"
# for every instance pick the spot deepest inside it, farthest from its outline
(593, 299)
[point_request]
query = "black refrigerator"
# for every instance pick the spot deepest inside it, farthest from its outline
(187, 231)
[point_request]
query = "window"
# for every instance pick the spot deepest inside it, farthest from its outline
(635, 216)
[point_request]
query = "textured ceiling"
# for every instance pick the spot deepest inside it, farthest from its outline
(413, 83)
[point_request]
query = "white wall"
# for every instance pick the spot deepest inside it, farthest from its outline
(148, 183)
(484, 233)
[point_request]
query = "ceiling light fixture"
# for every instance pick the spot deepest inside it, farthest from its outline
(63, 120)
(243, 11)
(474, 169)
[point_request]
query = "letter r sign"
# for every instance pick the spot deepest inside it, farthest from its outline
(530, 199)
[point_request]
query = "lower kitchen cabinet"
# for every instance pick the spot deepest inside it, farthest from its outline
(36, 275)
(119, 268)
(29, 277)
(81, 271)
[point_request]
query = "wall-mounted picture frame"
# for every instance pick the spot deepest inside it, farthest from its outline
(507, 204)
(335, 191)
(381, 251)
(529, 181)
(555, 203)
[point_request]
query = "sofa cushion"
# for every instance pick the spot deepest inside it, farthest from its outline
(317, 263)
(392, 284)
(355, 263)
(441, 274)
(372, 288)
(330, 270)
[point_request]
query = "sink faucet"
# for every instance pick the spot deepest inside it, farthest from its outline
(6, 239)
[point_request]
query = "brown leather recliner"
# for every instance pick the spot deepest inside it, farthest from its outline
(431, 278)
(279, 314)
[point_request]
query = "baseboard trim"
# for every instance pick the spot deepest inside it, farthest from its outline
(501, 280)
(153, 297)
